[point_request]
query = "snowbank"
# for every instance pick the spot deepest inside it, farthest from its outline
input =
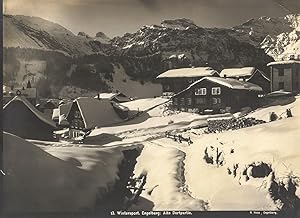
(55, 178)
(163, 187)
(274, 143)
(279, 109)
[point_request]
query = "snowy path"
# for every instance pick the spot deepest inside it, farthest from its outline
(165, 179)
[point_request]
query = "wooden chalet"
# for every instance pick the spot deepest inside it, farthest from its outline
(248, 74)
(285, 76)
(176, 80)
(88, 113)
(21, 118)
(215, 94)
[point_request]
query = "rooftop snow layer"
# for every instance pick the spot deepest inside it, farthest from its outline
(188, 72)
(228, 82)
(237, 72)
(106, 95)
(283, 62)
(64, 109)
(97, 112)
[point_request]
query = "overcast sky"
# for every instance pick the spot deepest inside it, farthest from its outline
(116, 17)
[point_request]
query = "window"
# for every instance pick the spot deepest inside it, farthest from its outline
(77, 114)
(182, 101)
(216, 100)
(281, 72)
(201, 91)
(200, 100)
(216, 90)
(189, 101)
(281, 85)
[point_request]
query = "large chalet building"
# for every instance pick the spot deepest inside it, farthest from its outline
(285, 75)
(215, 94)
(248, 74)
(175, 80)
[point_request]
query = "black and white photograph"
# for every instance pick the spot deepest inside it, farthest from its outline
(150, 108)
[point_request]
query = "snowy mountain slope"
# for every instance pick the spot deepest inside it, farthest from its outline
(192, 45)
(279, 36)
(34, 32)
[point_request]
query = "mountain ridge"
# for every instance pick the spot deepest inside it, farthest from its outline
(141, 55)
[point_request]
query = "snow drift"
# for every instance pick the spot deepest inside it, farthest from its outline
(56, 179)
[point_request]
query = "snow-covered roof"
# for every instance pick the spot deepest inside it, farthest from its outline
(63, 120)
(55, 114)
(188, 72)
(233, 83)
(35, 111)
(106, 95)
(227, 82)
(64, 109)
(97, 113)
(242, 72)
(237, 72)
(119, 96)
(283, 62)
(278, 93)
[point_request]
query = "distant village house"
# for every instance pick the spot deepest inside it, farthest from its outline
(248, 74)
(285, 75)
(175, 80)
(215, 94)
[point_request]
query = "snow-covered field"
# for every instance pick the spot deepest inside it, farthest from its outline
(125, 84)
(178, 177)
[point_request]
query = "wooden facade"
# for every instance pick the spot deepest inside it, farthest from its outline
(285, 75)
(207, 96)
(76, 123)
(22, 121)
(175, 85)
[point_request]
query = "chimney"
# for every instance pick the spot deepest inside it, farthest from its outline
(225, 76)
(98, 96)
